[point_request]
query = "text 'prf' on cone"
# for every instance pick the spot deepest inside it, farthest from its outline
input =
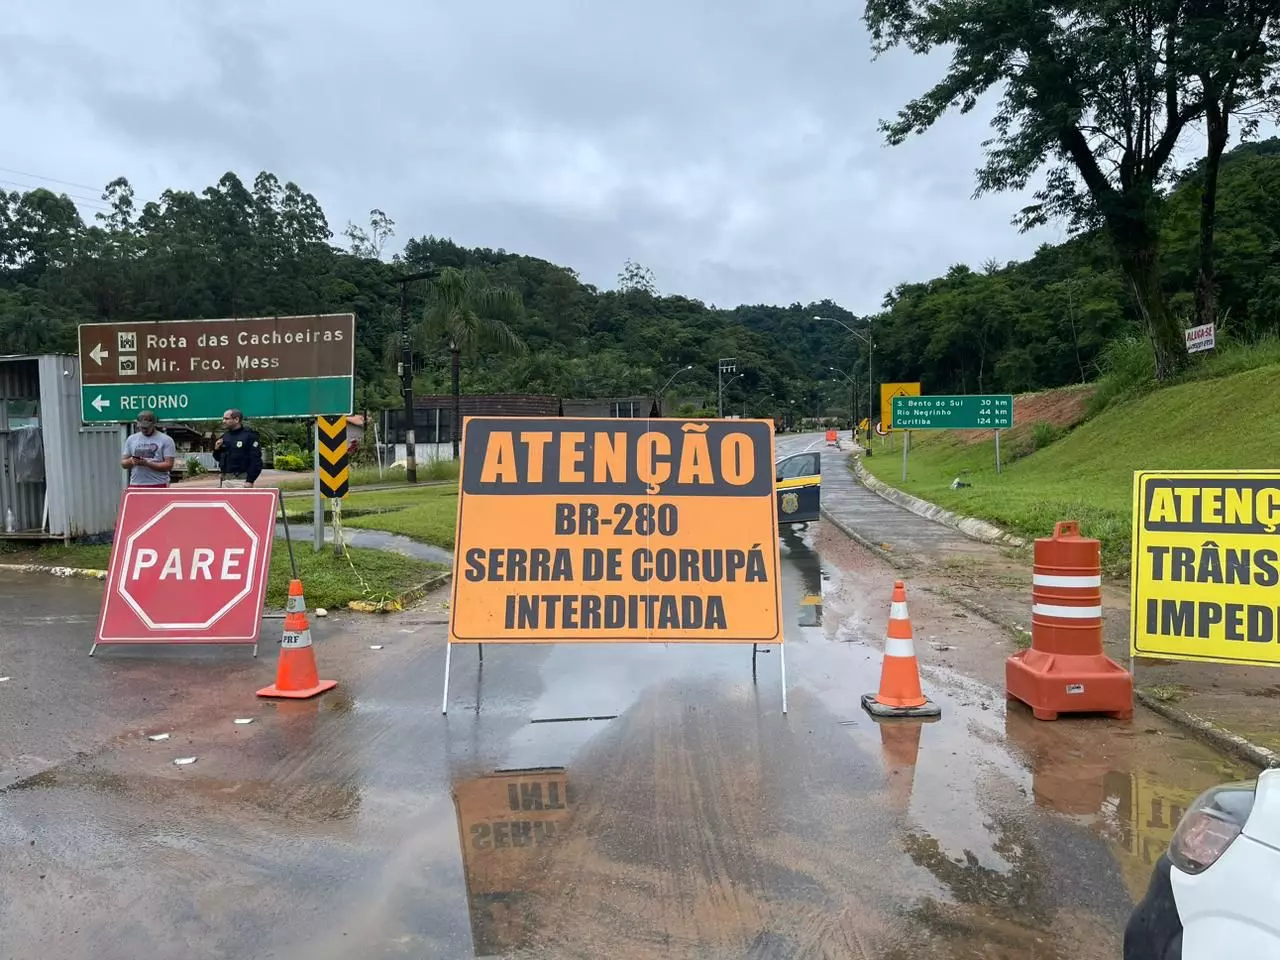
(296, 675)
(900, 694)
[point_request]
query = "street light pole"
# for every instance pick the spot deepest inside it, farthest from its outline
(662, 394)
(726, 365)
(406, 375)
(853, 398)
(871, 349)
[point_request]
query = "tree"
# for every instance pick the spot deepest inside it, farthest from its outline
(635, 278)
(1098, 92)
(45, 229)
(1239, 46)
(369, 244)
(470, 314)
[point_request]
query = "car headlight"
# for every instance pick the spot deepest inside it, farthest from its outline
(1210, 825)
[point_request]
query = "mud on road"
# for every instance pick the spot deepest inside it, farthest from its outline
(691, 820)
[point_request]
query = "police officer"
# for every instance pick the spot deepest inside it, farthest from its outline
(238, 452)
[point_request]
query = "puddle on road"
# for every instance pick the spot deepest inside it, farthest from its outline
(695, 821)
(804, 581)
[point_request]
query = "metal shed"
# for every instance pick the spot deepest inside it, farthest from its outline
(59, 479)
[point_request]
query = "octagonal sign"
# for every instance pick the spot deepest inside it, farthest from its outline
(188, 566)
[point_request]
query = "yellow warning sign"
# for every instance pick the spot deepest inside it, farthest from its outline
(585, 530)
(335, 473)
(1206, 566)
(890, 390)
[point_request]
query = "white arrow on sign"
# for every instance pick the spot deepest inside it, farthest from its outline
(98, 354)
(98, 403)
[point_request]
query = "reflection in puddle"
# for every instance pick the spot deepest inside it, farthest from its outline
(506, 822)
(801, 561)
(1135, 810)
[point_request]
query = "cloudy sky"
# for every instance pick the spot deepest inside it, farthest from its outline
(729, 145)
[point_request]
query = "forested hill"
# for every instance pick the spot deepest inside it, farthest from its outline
(267, 248)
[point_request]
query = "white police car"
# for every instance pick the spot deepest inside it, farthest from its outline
(1215, 893)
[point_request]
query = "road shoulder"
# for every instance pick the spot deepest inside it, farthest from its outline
(1230, 706)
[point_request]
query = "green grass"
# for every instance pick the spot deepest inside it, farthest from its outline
(365, 476)
(427, 513)
(428, 522)
(328, 581)
(1227, 423)
(1127, 365)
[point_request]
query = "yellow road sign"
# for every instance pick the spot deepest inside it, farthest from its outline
(1206, 566)
(585, 530)
(890, 390)
(335, 476)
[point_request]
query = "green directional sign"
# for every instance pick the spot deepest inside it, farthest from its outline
(198, 369)
(117, 403)
(981, 412)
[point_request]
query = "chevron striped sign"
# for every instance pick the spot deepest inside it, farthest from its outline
(335, 474)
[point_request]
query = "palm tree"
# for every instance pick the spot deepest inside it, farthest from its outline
(470, 314)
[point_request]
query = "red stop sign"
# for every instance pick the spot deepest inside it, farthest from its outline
(188, 566)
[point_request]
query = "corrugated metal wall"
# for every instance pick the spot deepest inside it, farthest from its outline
(19, 381)
(82, 463)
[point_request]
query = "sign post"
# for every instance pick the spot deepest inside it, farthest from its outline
(965, 412)
(977, 412)
(317, 502)
(333, 469)
(266, 367)
(887, 393)
(188, 566)
(1205, 566)
(1201, 338)
(616, 531)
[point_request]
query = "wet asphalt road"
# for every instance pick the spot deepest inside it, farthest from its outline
(695, 820)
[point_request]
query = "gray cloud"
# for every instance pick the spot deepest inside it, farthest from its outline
(730, 146)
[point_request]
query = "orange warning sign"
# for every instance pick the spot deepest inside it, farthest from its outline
(578, 530)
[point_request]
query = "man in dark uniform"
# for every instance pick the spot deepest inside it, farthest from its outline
(238, 452)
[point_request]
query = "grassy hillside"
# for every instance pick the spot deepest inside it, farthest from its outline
(1226, 423)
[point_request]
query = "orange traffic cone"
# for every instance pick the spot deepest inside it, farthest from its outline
(296, 676)
(900, 694)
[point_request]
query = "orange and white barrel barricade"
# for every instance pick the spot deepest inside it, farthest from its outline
(1065, 671)
(900, 694)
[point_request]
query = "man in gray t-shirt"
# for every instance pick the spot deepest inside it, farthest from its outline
(148, 454)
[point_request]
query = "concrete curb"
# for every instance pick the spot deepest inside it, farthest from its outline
(82, 573)
(971, 527)
(402, 600)
(1229, 743)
